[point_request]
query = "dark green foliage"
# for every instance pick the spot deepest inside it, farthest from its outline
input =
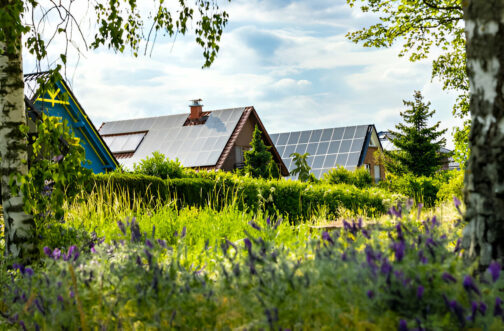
(274, 170)
(302, 168)
(421, 188)
(359, 177)
(258, 158)
(160, 166)
(418, 144)
(292, 199)
(56, 174)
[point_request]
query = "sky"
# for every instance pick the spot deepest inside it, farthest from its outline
(289, 59)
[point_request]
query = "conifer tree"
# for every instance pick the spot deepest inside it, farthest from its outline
(418, 144)
(258, 158)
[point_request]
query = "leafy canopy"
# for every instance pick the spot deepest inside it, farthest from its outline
(160, 166)
(418, 144)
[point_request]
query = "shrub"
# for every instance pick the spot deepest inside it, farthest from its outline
(422, 189)
(160, 166)
(359, 177)
(453, 187)
(292, 199)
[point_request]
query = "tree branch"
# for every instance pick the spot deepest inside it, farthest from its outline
(433, 6)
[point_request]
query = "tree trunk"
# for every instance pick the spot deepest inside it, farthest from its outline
(20, 234)
(483, 237)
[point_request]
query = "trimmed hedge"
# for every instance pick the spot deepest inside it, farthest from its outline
(292, 199)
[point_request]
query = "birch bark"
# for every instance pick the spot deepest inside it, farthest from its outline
(483, 237)
(19, 226)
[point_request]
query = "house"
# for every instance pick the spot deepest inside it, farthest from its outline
(350, 147)
(448, 162)
(61, 102)
(199, 139)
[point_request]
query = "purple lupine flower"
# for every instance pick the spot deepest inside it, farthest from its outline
(430, 242)
(248, 243)
(346, 225)
(403, 325)
(22, 324)
(498, 308)
(183, 233)
(360, 222)
(482, 308)
(268, 221)
(448, 278)
(457, 246)
(457, 310)
(327, 237)
(139, 261)
(60, 298)
(494, 270)
(29, 271)
(162, 243)
(457, 203)
(398, 248)
(420, 291)
(419, 206)
(399, 232)
(39, 306)
(47, 251)
(121, 227)
(397, 212)
(409, 203)
(434, 221)
(422, 257)
(370, 294)
(93, 250)
(149, 244)
(344, 256)
(469, 285)
(153, 231)
(56, 254)
(370, 258)
(474, 310)
(385, 268)
(72, 294)
(366, 234)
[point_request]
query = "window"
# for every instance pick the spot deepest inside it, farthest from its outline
(368, 167)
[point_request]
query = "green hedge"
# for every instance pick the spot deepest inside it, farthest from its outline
(292, 199)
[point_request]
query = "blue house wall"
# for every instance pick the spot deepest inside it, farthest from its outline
(62, 103)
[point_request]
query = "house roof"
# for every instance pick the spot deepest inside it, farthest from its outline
(327, 148)
(195, 146)
(75, 110)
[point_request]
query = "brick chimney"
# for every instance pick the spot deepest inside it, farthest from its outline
(196, 109)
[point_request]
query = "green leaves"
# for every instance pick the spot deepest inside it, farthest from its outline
(258, 158)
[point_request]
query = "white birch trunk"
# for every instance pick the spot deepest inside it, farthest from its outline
(484, 235)
(20, 231)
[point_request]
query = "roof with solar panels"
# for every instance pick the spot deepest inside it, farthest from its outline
(327, 148)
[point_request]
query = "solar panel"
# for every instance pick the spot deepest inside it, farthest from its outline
(327, 148)
(194, 146)
(124, 143)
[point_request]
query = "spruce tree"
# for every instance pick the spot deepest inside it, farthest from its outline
(258, 158)
(418, 144)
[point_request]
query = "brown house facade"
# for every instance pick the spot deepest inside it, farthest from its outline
(200, 140)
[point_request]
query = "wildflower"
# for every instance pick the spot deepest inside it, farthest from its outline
(93, 250)
(149, 244)
(254, 225)
(121, 227)
(29, 271)
(327, 237)
(365, 233)
(420, 291)
(60, 298)
(153, 231)
(22, 324)
(421, 257)
(482, 308)
(136, 236)
(268, 221)
(409, 203)
(399, 232)
(457, 310)
(386, 268)
(39, 306)
(420, 206)
(498, 308)
(494, 270)
(399, 250)
(370, 294)
(47, 251)
(248, 243)
(56, 254)
(448, 278)
(183, 233)
(434, 221)
(139, 261)
(457, 246)
(457, 204)
(469, 285)
(474, 310)
(395, 212)
(344, 256)
(162, 243)
(403, 325)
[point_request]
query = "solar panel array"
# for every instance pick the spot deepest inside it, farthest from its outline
(125, 143)
(327, 148)
(194, 146)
